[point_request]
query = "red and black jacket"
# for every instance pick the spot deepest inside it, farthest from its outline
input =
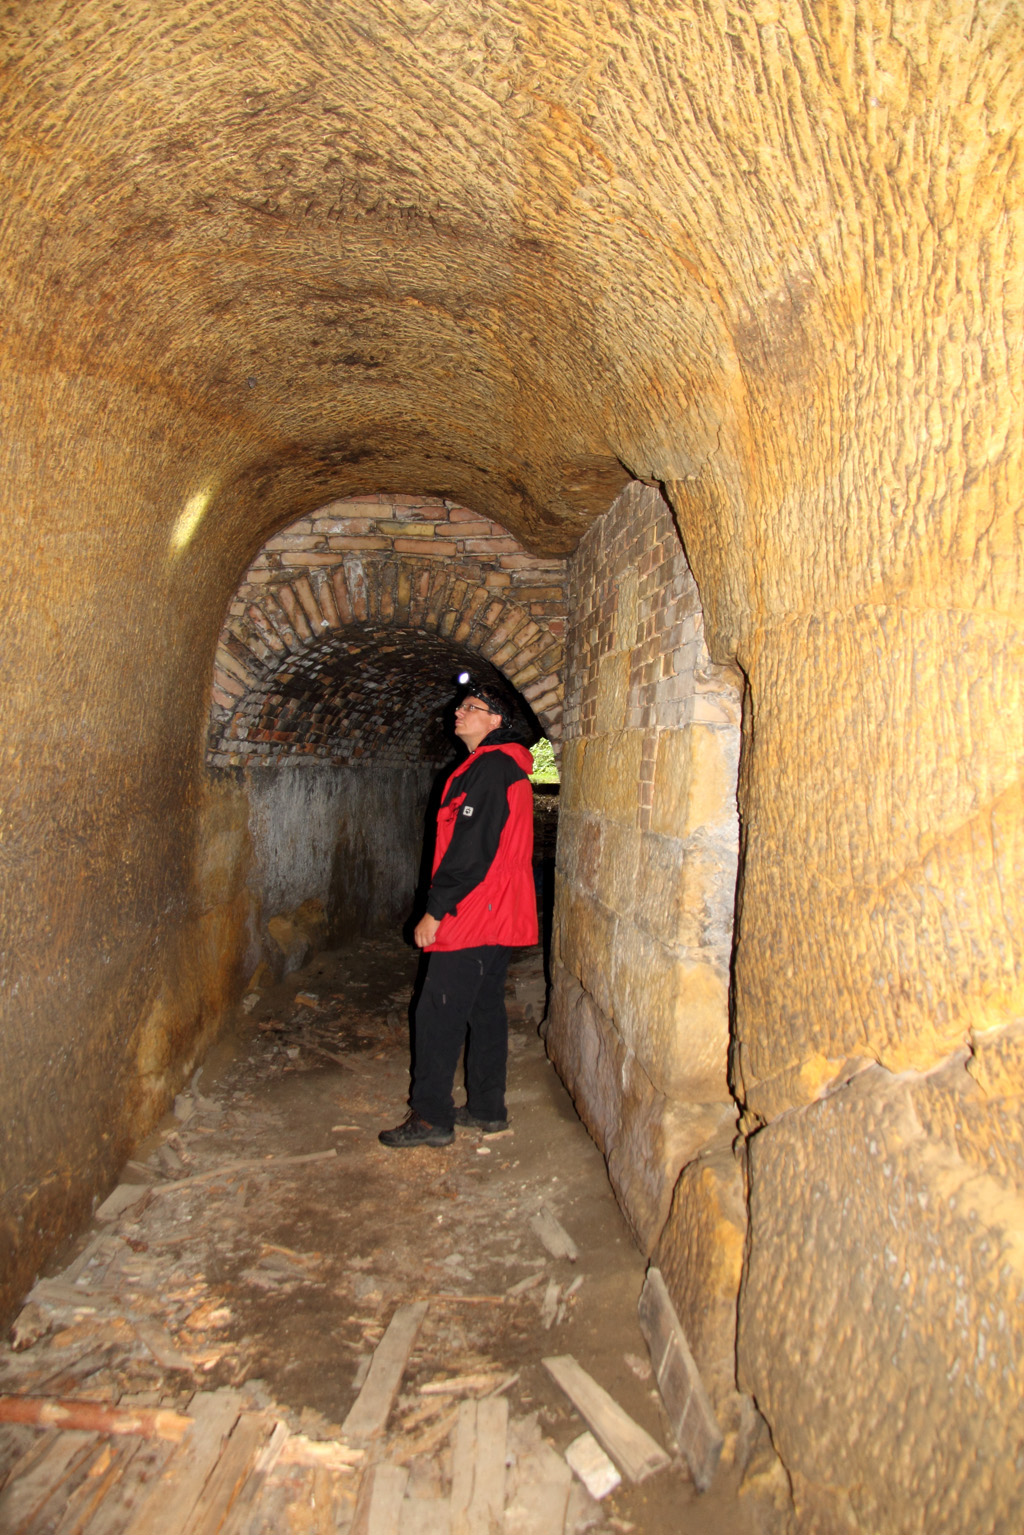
(482, 889)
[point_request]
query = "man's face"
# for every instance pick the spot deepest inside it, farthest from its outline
(473, 721)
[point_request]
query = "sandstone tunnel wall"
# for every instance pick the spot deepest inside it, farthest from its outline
(262, 256)
(349, 838)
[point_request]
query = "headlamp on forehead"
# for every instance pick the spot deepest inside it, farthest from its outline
(497, 698)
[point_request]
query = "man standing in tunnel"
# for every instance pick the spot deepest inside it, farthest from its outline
(481, 904)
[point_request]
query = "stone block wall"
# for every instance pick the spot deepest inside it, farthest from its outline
(647, 855)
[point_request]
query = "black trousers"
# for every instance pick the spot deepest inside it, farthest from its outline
(462, 1003)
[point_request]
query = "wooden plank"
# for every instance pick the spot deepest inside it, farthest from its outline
(229, 1476)
(36, 1446)
(553, 1234)
(120, 1199)
(23, 1499)
(99, 1481)
(171, 1503)
(463, 1463)
(489, 1484)
(372, 1407)
(144, 1462)
(240, 1517)
(478, 1467)
(328, 1504)
(427, 1516)
(630, 1446)
(686, 1401)
(379, 1508)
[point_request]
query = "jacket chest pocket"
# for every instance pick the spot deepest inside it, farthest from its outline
(448, 814)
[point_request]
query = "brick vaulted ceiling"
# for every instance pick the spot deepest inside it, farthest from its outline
(345, 633)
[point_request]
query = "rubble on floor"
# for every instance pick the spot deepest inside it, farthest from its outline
(276, 1324)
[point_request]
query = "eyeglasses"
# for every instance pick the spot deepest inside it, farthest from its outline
(468, 709)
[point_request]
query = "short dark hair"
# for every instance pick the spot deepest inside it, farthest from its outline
(499, 699)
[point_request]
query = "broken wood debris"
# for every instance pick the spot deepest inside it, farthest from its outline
(629, 1445)
(546, 1225)
(135, 1304)
(467, 1385)
(468, 1300)
(242, 1164)
(428, 1442)
(529, 1283)
(298, 1450)
(93, 1417)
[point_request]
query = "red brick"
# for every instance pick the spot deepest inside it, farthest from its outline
(365, 541)
(310, 606)
(424, 546)
(491, 546)
(292, 541)
(341, 596)
(409, 502)
(228, 684)
(520, 562)
(540, 594)
(308, 560)
(325, 597)
(462, 530)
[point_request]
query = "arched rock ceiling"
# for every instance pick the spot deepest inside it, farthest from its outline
(498, 250)
(474, 248)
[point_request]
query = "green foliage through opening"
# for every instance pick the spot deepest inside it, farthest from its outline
(544, 769)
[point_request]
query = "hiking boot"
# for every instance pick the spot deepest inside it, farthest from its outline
(414, 1131)
(488, 1126)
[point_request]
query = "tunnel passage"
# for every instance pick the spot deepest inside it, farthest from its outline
(333, 676)
(766, 256)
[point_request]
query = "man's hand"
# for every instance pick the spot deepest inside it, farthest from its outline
(425, 931)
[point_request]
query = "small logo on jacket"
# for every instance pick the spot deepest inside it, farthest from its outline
(467, 810)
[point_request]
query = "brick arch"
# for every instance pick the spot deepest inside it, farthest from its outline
(300, 663)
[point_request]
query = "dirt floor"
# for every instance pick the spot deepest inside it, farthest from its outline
(259, 1244)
